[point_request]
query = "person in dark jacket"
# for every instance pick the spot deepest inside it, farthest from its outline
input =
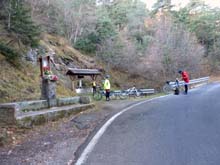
(185, 78)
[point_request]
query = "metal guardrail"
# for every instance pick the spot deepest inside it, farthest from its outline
(89, 90)
(137, 92)
(199, 80)
(193, 81)
(146, 91)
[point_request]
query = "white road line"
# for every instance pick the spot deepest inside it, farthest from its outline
(98, 135)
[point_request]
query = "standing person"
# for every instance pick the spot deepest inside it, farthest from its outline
(93, 87)
(185, 78)
(107, 87)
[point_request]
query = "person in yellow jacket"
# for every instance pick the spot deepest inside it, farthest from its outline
(107, 87)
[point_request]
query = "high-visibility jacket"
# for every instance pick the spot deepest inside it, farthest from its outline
(107, 84)
(93, 84)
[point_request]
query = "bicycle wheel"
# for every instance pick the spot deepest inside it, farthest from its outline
(167, 89)
(123, 96)
(97, 96)
(113, 96)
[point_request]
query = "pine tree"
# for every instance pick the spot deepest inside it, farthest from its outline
(20, 23)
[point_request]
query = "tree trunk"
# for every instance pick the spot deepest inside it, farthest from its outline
(77, 26)
(9, 20)
(8, 9)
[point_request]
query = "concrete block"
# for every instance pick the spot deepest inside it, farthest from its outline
(52, 102)
(35, 105)
(68, 101)
(85, 100)
(8, 114)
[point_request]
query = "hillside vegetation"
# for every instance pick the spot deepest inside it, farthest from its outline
(23, 82)
(122, 37)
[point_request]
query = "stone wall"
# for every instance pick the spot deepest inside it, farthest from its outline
(68, 101)
(36, 105)
(9, 111)
(8, 114)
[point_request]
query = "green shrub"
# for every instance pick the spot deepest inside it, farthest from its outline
(87, 44)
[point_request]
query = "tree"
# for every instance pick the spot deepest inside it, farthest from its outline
(203, 21)
(105, 28)
(47, 14)
(77, 17)
(136, 26)
(19, 23)
(173, 48)
(118, 12)
(164, 5)
(199, 19)
(109, 52)
(87, 43)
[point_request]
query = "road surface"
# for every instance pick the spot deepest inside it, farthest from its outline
(173, 130)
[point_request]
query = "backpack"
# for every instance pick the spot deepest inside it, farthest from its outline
(176, 91)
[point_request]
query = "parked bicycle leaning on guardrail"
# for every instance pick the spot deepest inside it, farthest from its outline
(172, 87)
(100, 93)
(138, 92)
(122, 94)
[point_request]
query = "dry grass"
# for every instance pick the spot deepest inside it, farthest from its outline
(63, 49)
(124, 80)
(214, 78)
(18, 84)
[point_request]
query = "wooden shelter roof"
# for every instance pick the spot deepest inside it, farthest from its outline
(82, 72)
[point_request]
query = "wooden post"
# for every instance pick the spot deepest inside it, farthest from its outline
(73, 85)
(72, 78)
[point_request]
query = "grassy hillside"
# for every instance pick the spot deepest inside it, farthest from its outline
(18, 83)
(23, 82)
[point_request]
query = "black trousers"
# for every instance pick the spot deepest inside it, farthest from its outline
(186, 88)
(94, 90)
(107, 94)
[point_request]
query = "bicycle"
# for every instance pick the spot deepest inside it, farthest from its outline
(121, 94)
(172, 87)
(113, 94)
(99, 93)
(132, 92)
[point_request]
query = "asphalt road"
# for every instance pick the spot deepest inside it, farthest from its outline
(173, 130)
